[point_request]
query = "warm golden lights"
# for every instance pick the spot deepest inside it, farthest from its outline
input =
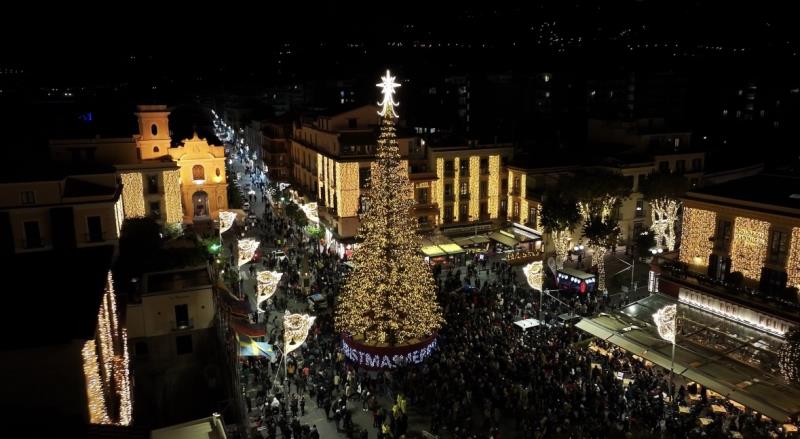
(172, 196)
(267, 284)
(474, 187)
(347, 190)
(749, 249)
(390, 296)
(133, 194)
(698, 231)
(247, 249)
(494, 186)
(793, 262)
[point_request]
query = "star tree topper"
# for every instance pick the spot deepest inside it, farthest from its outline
(388, 86)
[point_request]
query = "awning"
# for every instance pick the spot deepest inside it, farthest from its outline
(433, 251)
(248, 329)
(527, 323)
(503, 239)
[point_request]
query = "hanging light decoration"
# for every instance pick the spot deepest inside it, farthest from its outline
(267, 284)
(247, 249)
(226, 219)
(295, 330)
(533, 274)
(666, 322)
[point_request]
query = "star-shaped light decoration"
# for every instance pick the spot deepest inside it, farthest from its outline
(388, 102)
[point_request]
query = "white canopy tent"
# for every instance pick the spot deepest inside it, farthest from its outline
(527, 323)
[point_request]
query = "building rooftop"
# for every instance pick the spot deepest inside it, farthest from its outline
(74, 187)
(58, 297)
(176, 280)
(50, 171)
(771, 189)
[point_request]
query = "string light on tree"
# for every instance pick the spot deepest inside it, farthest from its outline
(389, 296)
(789, 356)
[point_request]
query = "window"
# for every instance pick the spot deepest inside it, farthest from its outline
(484, 209)
(723, 241)
(155, 209)
(680, 166)
(772, 281)
(629, 181)
(693, 182)
(198, 173)
(183, 344)
(463, 212)
(448, 214)
(422, 195)
(697, 165)
(154, 129)
(639, 180)
(218, 172)
(449, 170)
(352, 123)
(532, 216)
(505, 185)
(484, 189)
(152, 184)
(639, 212)
(181, 316)
(515, 210)
(778, 243)
(27, 197)
(33, 238)
(484, 166)
(638, 228)
(464, 165)
(155, 149)
(503, 207)
(448, 192)
(464, 189)
(95, 227)
(515, 188)
(663, 166)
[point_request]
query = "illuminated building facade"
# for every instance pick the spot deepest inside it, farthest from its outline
(171, 185)
(749, 226)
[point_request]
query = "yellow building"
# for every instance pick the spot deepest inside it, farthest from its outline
(47, 213)
(331, 159)
(157, 180)
(202, 178)
(750, 225)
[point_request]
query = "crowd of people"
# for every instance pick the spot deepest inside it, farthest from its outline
(489, 378)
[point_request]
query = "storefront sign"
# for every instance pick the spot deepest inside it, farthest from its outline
(735, 312)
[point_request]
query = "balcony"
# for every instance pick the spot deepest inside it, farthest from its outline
(449, 197)
(33, 243)
(514, 192)
(449, 173)
(422, 176)
(94, 237)
(484, 171)
(463, 197)
(182, 325)
(679, 273)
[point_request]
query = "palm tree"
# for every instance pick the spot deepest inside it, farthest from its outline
(663, 190)
(559, 217)
(602, 234)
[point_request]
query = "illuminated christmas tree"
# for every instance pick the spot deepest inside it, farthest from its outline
(390, 295)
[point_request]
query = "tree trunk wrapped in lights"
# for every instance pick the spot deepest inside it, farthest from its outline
(560, 215)
(389, 296)
(789, 357)
(663, 191)
(602, 234)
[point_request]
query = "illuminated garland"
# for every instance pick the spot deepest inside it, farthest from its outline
(750, 242)
(698, 229)
(267, 284)
(494, 186)
(598, 258)
(533, 274)
(390, 295)
(457, 189)
(247, 249)
(106, 366)
(172, 196)
(133, 194)
(440, 187)
(561, 239)
(789, 356)
(474, 187)
(793, 261)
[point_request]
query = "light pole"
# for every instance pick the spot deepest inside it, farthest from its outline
(666, 320)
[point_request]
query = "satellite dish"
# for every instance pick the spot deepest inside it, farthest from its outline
(551, 263)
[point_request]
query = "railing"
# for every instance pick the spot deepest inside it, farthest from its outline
(94, 237)
(463, 196)
(182, 325)
(484, 171)
(33, 243)
(514, 192)
(464, 173)
(449, 197)
(449, 173)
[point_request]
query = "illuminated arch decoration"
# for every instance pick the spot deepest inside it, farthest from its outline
(666, 320)
(247, 249)
(534, 273)
(226, 219)
(267, 284)
(295, 330)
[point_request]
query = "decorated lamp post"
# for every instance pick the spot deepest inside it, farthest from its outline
(666, 320)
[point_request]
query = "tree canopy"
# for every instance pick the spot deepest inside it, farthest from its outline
(663, 185)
